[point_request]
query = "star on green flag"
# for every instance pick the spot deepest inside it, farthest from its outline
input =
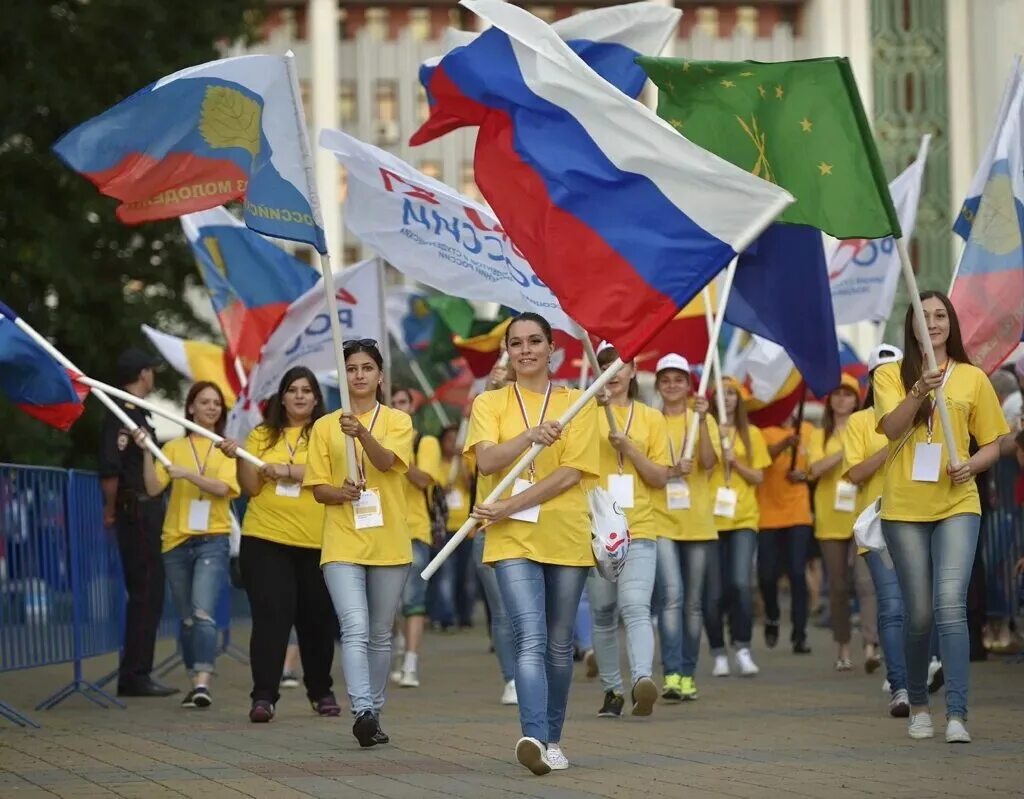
(798, 124)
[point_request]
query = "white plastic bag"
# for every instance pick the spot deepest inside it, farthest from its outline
(609, 533)
(867, 530)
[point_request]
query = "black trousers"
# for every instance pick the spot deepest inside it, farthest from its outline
(138, 524)
(286, 588)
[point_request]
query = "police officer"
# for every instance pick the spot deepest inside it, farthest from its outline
(138, 519)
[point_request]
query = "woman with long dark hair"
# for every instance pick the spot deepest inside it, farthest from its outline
(835, 505)
(634, 464)
(931, 512)
(733, 487)
(196, 529)
(280, 557)
(366, 548)
(538, 537)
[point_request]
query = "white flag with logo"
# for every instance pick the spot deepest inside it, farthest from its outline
(431, 233)
(863, 273)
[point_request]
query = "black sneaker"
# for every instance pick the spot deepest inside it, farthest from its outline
(936, 681)
(261, 711)
(771, 633)
(380, 736)
(198, 697)
(800, 646)
(366, 729)
(612, 707)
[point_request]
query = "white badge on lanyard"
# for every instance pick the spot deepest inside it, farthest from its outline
(725, 503)
(368, 510)
(293, 490)
(531, 515)
(677, 494)
(928, 456)
(846, 496)
(621, 486)
(199, 509)
(454, 499)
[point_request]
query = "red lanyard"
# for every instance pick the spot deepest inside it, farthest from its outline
(526, 418)
(947, 370)
(362, 453)
(195, 456)
(291, 449)
(629, 424)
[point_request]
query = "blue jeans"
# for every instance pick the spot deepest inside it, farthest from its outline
(441, 592)
(197, 572)
(582, 631)
(736, 551)
(933, 563)
(366, 599)
(414, 595)
(632, 596)
(688, 589)
(890, 619)
(541, 600)
(501, 630)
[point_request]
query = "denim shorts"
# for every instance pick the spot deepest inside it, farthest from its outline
(414, 596)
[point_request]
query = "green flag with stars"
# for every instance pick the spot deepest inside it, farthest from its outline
(798, 124)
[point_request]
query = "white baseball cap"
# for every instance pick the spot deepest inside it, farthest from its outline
(883, 354)
(604, 345)
(672, 361)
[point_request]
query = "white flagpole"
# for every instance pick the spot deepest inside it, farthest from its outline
(330, 293)
(519, 468)
(385, 344)
(716, 331)
(956, 269)
(717, 365)
(112, 406)
(243, 381)
(588, 350)
(926, 345)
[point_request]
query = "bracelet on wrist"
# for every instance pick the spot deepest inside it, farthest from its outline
(915, 390)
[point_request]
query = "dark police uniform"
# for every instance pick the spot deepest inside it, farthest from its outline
(138, 520)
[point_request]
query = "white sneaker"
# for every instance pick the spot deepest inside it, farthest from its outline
(556, 758)
(721, 667)
(886, 688)
(921, 726)
(409, 680)
(745, 663)
(509, 695)
(899, 704)
(531, 754)
(956, 732)
(396, 676)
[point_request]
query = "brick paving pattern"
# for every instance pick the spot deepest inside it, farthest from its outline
(798, 729)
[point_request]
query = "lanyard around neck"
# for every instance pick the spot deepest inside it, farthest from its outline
(362, 451)
(947, 370)
(526, 417)
(625, 432)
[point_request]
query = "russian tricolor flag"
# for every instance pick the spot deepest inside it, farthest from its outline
(624, 219)
(33, 380)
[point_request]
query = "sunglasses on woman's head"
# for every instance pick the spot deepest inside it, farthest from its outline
(362, 342)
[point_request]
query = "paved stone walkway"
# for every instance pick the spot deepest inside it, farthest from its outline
(798, 729)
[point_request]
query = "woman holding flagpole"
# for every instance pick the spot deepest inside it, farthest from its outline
(538, 538)
(280, 554)
(196, 529)
(634, 465)
(733, 490)
(366, 548)
(835, 505)
(688, 577)
(931, 512)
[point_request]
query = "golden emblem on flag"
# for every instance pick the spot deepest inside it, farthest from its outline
(230, 119)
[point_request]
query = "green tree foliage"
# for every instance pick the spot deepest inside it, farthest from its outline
(67, 265)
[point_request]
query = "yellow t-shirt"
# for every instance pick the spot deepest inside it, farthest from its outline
(696, 523)
(214, 464)
(327, 464)
(648, 432)
(428, 459)
(974, 410)
(747, 513)
(561, 535)
(829, 524)
(860, 442)
(782, 503)
(293, 521)
(458, 510)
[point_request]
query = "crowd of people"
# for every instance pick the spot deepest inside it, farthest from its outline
(333, 548)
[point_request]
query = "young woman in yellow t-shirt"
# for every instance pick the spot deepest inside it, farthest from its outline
(196, 531)
(422, 475)
(280, 553)
(931, 513)
(538, 536)
(366, 548)
(835, 505)
(734, 498)
(634, 464)
(688, 580)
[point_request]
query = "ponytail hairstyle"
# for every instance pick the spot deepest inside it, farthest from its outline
(607, 356)
(369, 347)
(913, 363)
(275, 418)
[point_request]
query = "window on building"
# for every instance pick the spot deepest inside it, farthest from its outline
(432, 169)
(707, 20)
(386, 116)
(422, 106)
(342, 183)
(351, 253)
(419, 24)
(377, 22)
(467, 181)
(348, 111)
